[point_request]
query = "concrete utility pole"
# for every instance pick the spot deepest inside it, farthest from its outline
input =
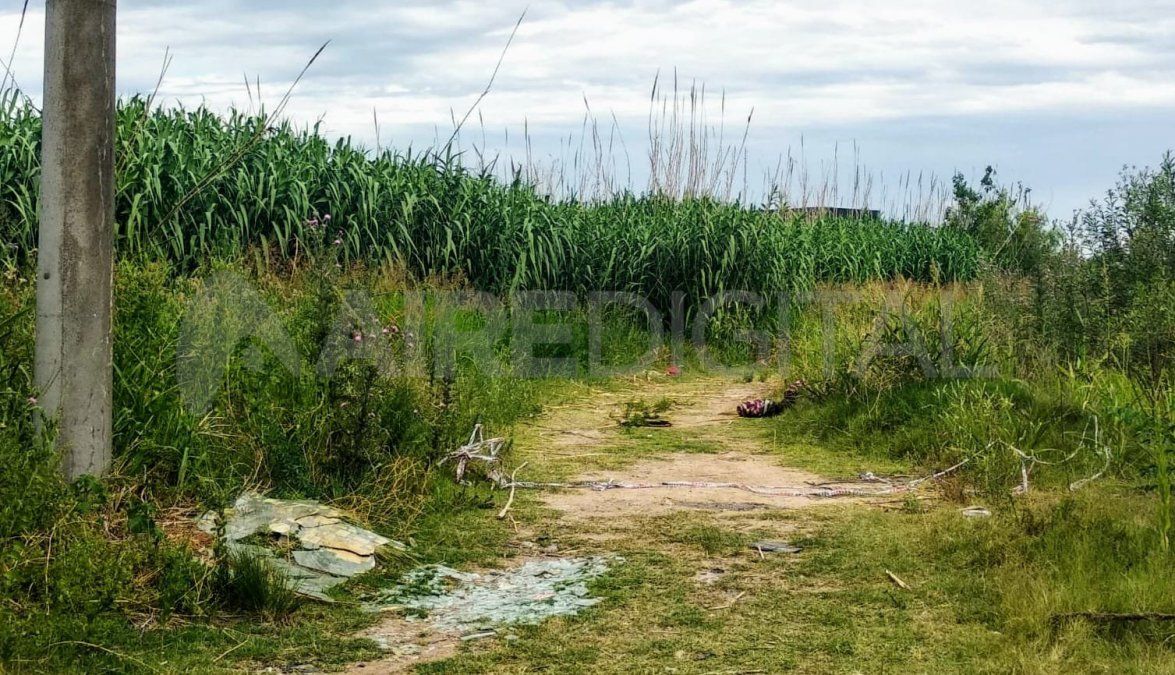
(75, 263)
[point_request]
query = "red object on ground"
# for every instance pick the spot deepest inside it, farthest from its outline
(673, 371)
(760, 407)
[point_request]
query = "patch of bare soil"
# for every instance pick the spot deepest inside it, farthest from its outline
(762, 485)
(697, 404)
(704, 408)
(716, 406)
(408, 643)
(577, 438)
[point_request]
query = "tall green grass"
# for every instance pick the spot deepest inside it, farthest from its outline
(193, 185)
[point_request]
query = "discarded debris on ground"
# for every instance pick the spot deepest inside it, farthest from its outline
(474, 604)
(320, 550)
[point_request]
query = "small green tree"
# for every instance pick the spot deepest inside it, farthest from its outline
(1014, 235)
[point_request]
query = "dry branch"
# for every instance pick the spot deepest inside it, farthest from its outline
(897, 581)
(478, 449)
(510, 501)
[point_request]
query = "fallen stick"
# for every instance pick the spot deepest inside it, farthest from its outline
(488, 452)
(768, 490)
(510, 500)
(729, 604)
(897, 582)
(935, 476)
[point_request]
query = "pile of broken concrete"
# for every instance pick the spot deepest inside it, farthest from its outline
(318, 551)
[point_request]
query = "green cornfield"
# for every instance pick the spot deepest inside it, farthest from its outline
(194, 185)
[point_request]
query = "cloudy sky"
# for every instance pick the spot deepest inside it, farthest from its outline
(1058, 95)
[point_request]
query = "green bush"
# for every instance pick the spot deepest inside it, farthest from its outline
(1014, 236)
(1112, 288)
(89, 572)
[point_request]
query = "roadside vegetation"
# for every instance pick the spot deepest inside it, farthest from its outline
(1038, 354)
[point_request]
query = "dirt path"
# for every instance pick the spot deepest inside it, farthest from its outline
(722, 450)
(727, 471)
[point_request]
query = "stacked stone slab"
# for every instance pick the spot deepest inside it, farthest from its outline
(323, 549)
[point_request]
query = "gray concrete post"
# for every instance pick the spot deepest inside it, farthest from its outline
(75, 265)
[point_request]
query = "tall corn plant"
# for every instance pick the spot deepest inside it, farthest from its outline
(433, 215)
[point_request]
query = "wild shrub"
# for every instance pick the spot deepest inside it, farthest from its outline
(155, 435)
(641, 413)
(31, 486)
(1014, 236)
(1110, 289)
(251, 583)
(874, 338)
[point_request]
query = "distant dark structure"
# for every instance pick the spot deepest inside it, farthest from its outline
(813, 212)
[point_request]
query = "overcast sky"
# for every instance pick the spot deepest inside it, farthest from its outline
(1058, 95)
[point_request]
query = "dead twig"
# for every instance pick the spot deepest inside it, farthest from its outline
(482, 450)
(230, 650)
(935, 476)
(119, 655)
(510, 500)
(729, 604)
(897, 581)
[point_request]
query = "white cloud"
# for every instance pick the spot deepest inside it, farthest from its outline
(823, 67)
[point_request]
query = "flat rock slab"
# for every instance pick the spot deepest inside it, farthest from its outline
(325, 549)
(337, 562)
(339, 535)
(252, 513)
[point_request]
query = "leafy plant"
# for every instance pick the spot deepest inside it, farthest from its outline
(252, 583)
(640, 413)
